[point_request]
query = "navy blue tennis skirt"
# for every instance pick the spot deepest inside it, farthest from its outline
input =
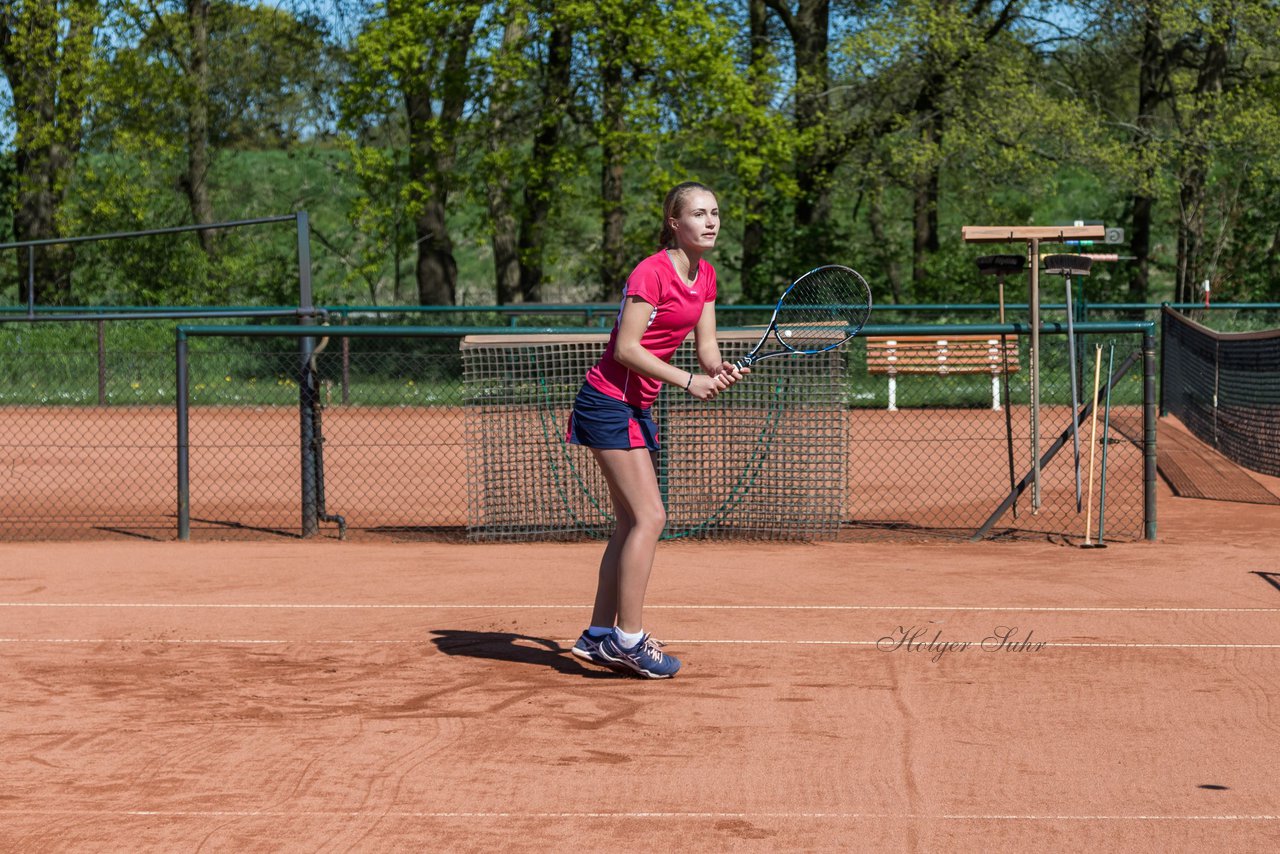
(600, 421)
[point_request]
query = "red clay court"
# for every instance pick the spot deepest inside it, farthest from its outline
(367, 696)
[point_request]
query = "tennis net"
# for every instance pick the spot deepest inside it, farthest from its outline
(1225, 387)
(765, 460)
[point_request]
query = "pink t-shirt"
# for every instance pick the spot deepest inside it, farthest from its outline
(677, 305)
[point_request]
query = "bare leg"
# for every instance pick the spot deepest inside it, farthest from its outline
(628, 558)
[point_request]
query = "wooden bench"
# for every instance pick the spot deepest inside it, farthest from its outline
(954, 354)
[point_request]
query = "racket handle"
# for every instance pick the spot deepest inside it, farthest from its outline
(745, 362)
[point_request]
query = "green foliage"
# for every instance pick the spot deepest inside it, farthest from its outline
(269, 73)
(1026, 119)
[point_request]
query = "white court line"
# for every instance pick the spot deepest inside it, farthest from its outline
(686, 642)
(648, 607)
(384, 814)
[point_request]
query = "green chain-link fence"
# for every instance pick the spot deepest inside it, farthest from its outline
(387, 454)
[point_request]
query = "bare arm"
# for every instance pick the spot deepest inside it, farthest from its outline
(632, 355)
(704, 334)
(709, 350)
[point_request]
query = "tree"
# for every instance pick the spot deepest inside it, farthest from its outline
(1202, 121)
(503, 143)
(208, 75)
(763, 142)
(46, 51)
(666, 96)
(816, 154)
(527, 90)
(547, 160)
(412, 66)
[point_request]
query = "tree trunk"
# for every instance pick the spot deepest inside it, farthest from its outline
(1193, 193)
(437, 269)
(431, 165)
(809, 28)
(1143, 203)
(613, 261)
(754, 288)
(1140, 245)
(540, 188)
(505, 241)
(883, 247)
(502, 216)
(40, 169)
(195, 182)
(924, 241)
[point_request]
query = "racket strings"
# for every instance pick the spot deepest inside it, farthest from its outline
(823, 308)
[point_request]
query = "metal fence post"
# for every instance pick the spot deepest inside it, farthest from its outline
(31, 281)
(102, 363)
(184, 461)
(1164, 409)
(306, 388)
(346, 362)
(1149, 431)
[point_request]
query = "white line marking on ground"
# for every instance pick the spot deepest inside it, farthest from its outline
(384, 814)
(212, 641)
(567, 641)
(650, 607)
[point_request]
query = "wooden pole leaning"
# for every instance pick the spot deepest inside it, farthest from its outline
(1106, 441)
(1032, 236)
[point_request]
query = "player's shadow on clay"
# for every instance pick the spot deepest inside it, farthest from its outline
(518, 649)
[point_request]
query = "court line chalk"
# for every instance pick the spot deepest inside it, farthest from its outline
(140, 641)
(478, 814)
(339, 606)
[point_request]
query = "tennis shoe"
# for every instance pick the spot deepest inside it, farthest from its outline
(588, 649)
(645, 658)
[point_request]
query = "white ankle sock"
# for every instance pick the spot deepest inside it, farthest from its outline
(626, 640)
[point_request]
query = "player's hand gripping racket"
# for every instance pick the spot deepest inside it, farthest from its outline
(820, 311)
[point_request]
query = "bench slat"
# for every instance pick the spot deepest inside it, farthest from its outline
(923, 354)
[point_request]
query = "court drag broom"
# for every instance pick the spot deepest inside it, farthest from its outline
(1065, 266)
(1001, 266)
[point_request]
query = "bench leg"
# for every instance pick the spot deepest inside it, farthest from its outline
(893, 393)
(995, 392)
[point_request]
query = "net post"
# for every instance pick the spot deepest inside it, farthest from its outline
(1149, 431)
(184, 460)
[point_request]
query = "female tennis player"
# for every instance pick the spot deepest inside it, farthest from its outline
(667, 295)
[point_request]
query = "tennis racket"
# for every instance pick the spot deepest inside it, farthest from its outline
(819, 311)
